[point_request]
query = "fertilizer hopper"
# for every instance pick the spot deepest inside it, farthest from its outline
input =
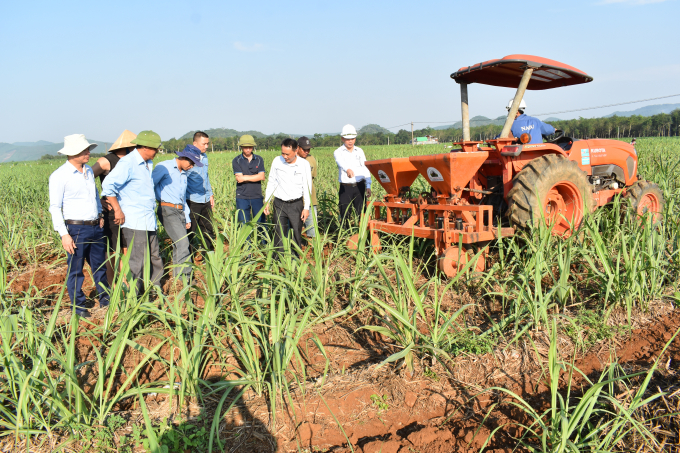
(395, 175)
(482, 192)
(449, 173)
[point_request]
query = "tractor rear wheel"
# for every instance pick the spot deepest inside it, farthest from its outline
(552, 188)
(453, 260)
(646, 197)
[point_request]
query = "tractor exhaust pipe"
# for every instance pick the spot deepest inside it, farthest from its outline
(521, 89)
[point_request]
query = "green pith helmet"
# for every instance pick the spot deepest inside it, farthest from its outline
(246, 140)
(149, 139)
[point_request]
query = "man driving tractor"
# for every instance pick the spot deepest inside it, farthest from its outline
(525, 124)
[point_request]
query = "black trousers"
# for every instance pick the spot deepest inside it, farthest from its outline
(201, 218)
(351, 197)
(285, 212)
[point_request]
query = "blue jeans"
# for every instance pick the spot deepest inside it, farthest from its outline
(245, 207)
(309, 223)
(91, 246)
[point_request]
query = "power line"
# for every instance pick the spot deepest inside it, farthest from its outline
(392, 127)
(608, 105)
(549, 113)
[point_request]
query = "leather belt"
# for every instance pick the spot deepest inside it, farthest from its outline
(82, 222)
(353, 184)
(289, 201)
(170, 205)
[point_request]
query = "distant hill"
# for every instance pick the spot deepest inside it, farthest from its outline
(476, 121)
(222, 132)
(647, 110)
(372, 129)
(484, 121)
(21, 151)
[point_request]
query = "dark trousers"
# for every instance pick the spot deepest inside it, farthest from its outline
(91, 247)
(201, 219)
(174, 221)
(285, 212)
(112, 232)
(142, 243)
(351, 197)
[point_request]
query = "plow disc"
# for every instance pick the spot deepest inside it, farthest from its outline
(454, 259)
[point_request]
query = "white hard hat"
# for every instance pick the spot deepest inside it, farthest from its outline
(522, 105)
(348, 131)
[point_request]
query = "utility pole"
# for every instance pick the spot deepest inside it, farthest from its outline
(412, 145)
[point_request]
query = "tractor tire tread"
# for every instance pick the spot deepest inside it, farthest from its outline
(524, 207)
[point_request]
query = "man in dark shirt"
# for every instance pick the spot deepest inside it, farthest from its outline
(249, 171)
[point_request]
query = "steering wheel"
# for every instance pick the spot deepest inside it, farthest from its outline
(559, 133)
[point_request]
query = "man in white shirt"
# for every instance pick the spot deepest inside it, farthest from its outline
(290, 184)
(76, 215)
(353, 175)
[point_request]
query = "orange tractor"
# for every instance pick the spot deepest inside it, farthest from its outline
(480, 191)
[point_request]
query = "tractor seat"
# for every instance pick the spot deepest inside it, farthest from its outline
(565, 143)
(562, 140)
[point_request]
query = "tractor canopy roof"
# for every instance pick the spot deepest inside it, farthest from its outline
(507, 72)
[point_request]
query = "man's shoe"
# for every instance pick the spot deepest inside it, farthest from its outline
(83, 312)
(157, 292)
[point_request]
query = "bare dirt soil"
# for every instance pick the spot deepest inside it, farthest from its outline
(438, 408)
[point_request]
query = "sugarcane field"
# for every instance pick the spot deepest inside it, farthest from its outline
(472, 284)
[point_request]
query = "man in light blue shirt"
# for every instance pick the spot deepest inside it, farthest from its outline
(200, 194)
(76, 216)
(170, 184)
(129, 189)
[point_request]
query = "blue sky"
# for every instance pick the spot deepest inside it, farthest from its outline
(303, 67)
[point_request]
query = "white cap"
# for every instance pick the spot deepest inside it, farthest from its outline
(348, 131)
(75, 144)
(522, 104)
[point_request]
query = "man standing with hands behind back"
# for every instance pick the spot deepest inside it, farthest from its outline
(200, 198)
(290, 183)
(354, 177)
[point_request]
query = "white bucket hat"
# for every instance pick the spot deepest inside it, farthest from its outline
(75, 144)
(348, 131)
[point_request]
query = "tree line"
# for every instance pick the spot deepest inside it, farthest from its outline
(660, 125)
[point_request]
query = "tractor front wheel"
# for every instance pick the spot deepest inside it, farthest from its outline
(454, 259)
(646, 198)
(553, 189)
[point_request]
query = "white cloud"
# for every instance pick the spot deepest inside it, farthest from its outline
(243, 47)
(632, 2)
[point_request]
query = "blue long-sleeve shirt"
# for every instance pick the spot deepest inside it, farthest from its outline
(170, 185)
(199, 189)
(530, 125)
(131, 183)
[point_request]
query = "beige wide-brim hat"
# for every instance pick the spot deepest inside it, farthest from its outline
(123, 141)
(75, 144)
